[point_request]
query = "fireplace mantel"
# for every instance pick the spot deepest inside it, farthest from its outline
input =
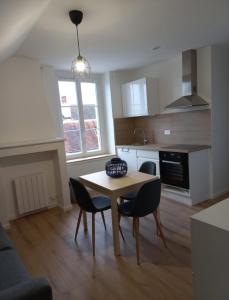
(56, 149)
(29, 143)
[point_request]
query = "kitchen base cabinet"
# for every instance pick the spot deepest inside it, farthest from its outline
(199, 180)
(135, 158)
(199, 176)
(143, 156)
(129, 155)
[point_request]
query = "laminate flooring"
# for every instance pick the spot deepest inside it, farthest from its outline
(45, 242)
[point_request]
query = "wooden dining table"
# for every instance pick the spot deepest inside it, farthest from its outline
(114, 188)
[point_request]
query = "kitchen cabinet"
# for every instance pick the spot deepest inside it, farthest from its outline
(199, 179)
(135, 158)
(129, 155)
(143, 156)
(127, 99)
(140, 98)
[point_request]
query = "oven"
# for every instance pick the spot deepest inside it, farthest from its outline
(174, 169)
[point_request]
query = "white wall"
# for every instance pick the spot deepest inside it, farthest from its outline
(24, 114)
(84, 167)
(204, 73)
(108, 114)
(220, 119)
(50, 84)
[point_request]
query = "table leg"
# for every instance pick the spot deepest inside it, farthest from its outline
(115, 225)
(85, 221)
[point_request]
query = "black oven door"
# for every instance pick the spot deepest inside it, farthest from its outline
(174, 169)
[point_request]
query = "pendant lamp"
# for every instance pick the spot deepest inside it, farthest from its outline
(80, 66)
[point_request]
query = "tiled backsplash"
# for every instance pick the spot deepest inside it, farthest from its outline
(186, 128)
(124, 131)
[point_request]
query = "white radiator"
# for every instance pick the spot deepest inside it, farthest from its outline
(31, 192)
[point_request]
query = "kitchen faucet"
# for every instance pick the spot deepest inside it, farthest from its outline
(145, 141)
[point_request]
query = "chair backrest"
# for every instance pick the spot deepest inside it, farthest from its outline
(148, 199)
(82, 196)
(148, 167)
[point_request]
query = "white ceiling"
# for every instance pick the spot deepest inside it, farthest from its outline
(16, 20)
(118, 34)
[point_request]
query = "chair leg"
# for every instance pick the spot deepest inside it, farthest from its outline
(85, 221)
(159, 229)
(78, 223)
(136, 230)
(159, 221)
(119, 226)
(93, 233)
(159, 216)
(104, 223)
(133, 228)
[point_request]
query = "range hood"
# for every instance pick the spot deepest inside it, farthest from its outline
(190, 97)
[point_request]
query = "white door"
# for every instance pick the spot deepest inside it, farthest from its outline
(140, 97)
(130, 156)
(127, 99)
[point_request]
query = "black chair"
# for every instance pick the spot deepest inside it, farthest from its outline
(89, 204)
(148, 167)
(146, 202)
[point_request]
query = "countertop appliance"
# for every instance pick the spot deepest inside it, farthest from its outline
(174, 169)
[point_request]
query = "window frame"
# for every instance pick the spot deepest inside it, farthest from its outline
(84, 153)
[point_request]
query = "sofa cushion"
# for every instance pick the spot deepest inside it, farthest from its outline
(32, 289)
(5, 242)
(12, 271)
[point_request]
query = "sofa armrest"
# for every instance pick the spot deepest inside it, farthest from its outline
(32, 289)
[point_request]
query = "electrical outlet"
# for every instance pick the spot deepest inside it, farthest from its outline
(167, 132)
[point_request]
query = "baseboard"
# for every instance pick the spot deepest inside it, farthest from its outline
(17, 216)
(220, 194)
(66, 208)
(176, 195)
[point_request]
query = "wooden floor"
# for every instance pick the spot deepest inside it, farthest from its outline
(45, 241)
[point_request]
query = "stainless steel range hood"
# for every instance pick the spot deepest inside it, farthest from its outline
(190, 97)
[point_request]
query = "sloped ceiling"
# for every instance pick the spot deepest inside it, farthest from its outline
(17, 17)
(114, 34)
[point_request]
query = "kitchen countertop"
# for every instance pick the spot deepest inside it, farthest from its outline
(173, 148)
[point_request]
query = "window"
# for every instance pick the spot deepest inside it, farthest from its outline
(80, 115)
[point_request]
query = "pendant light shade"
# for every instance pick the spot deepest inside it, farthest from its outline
(80, 66)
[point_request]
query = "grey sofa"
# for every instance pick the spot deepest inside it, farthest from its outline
(15, 283)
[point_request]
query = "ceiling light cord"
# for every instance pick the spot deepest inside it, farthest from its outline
(80, 66)
(78, 43)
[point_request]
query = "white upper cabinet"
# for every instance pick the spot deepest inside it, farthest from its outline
(127, 99)
(140, 98)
